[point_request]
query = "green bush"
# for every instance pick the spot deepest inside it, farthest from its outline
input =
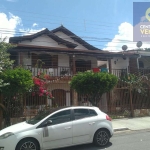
(93, 85)
(19, 79)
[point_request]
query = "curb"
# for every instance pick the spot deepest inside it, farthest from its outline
(121, 129)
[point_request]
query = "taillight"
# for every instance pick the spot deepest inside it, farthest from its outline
(108, 118)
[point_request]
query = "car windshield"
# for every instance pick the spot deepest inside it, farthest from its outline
(40, 116)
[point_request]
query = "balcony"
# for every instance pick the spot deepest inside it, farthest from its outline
(67, 71)
(119, 72)
(57, 71)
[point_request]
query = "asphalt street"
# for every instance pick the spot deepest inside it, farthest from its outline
(129, 140)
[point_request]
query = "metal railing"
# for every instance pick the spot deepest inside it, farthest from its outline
(57, 71)
(119, 72)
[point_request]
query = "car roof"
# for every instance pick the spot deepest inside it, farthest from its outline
(71, 107)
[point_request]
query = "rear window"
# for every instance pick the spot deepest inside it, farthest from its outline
(92, 112)
(84, 113)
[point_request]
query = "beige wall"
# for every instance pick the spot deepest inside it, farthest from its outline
(43, 40)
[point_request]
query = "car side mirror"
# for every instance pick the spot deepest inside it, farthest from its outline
(45, 124)
(48, 123)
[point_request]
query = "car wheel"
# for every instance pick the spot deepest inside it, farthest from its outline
(28, 144)
(101, 137)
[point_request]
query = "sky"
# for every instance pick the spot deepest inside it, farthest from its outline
(106, 24)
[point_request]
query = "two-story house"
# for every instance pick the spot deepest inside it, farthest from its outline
(63, 55)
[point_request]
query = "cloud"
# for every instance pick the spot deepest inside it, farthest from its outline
(123, 37)
(8, 25)
(30, 31)
(34, 25)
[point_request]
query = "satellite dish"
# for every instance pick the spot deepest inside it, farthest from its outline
(139, 44)
(124, 47)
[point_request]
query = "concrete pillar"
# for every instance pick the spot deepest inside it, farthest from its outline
(103, 103)
(68, 98)
(75, 98)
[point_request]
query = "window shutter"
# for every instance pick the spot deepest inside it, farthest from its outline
(34, 59)
(55, 61)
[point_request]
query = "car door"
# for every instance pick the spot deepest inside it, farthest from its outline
(83, 125)
(59, 132)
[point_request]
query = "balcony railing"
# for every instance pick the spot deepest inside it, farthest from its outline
(143, 71)
(119, 72)
(59, 71)
(67, 71)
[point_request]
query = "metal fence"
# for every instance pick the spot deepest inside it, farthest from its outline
(118, 103)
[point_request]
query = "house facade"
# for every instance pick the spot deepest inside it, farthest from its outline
(58, 53)
(61, 54)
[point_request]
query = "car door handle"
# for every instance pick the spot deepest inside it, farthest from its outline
(91, 123)
(67, 128)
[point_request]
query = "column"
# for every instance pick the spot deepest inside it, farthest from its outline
(75, 98)
(67, 98)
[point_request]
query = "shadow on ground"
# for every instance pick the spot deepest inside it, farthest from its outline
(86, 147)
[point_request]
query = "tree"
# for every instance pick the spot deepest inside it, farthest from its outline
(20, 81)
(136, 83)
(5, 61)
(93, 85)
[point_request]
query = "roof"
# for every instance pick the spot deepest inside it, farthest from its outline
(74, 37)
(95, 53)
(52, 35)
(48, 33)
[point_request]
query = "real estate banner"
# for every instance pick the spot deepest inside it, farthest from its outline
(141, 21)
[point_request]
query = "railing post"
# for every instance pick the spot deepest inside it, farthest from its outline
(74, 65)
(110, 66)
(131, 104)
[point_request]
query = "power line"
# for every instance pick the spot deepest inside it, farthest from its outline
(42, 14)
(85, 37)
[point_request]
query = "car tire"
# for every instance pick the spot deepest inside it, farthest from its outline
(28, 143)
(101, 137)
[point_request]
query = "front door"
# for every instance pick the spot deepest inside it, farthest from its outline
(59, 133)
(60, 97)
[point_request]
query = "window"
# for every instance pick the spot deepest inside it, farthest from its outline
(141, 64)
(61, 117)
(46, 60)
(81, 113)
(92, 112)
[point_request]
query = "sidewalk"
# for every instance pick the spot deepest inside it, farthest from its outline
(131, 124)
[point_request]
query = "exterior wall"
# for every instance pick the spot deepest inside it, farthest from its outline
(120, 63)
(63, 60)
(67, 38)
(43, 40)
(26, 58)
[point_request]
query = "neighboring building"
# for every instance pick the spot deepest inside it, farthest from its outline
(141, 65)
(64, 54)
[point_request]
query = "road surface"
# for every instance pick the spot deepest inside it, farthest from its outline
(129, 140)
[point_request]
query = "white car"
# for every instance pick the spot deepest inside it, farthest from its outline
(57, 128)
